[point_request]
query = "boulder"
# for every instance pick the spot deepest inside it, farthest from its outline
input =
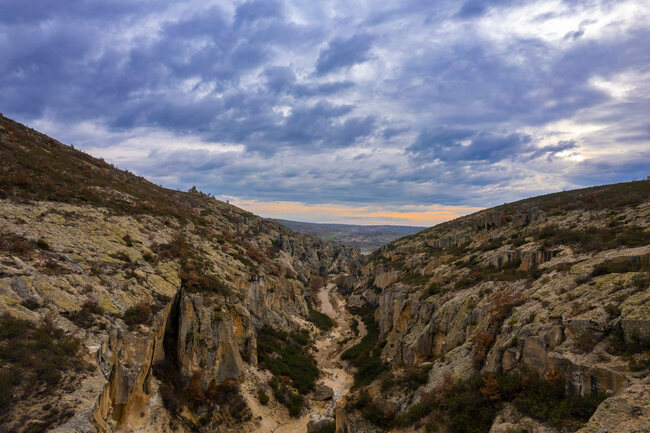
(534, 354)
(318, 423)
(323, 392)
(510, 357)
(628, 411)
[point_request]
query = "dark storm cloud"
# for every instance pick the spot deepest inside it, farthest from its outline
(449, 107)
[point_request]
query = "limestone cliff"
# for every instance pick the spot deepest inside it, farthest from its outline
(556, 285)
(165, 290)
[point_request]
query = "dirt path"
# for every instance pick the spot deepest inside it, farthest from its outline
(335, 375)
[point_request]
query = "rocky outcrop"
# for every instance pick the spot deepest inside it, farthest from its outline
(629, 411)
(104, 255)
(515, 289)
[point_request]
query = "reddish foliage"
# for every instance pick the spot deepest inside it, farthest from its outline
(482, 343)
(194, 390)
(490, 388)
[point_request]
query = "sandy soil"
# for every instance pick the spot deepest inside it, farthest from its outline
(273, 418)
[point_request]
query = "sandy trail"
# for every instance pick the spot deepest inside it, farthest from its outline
(336, 376)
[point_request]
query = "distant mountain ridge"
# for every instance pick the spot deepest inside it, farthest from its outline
(369, 237)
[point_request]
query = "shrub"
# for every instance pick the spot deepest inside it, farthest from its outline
(482, 343)
(321, 320)
(618, 267)
(16, 245)
(84, 316)
(641, 281)
(410, 378)
(472, 404)
(263, 397)
(42, 244)
(355, 326)
(284, 355)
(414, 279)
(365, 354)
(316, 282)
(33, 358)
(613, 311)
(286, 396)
(551, 402)
(138, 314)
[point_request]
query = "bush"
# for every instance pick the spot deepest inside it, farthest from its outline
(33, 358)
(594, 238)
(472, 404)
(321, 320)
(618, 267)
(365, 354)
(286, 396)
(42, 244)
(84, 316)
(414, 279)
(138, 314)
(263, 397)
(285, 355)
(355, 326)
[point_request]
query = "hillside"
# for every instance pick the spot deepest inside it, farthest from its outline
(127, 306)
(530, 316)
(368, 237)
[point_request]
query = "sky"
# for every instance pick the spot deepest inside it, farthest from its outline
(405, 112)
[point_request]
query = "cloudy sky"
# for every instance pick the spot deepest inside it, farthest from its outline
(402, 112)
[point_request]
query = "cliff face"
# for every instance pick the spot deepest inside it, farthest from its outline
(164, 290)
(556, 285)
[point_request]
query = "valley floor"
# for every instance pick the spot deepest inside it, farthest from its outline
(336, 374)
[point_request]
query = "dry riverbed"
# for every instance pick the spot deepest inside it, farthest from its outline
(335, 373)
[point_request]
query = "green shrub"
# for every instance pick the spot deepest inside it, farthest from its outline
(34, 358)
(85, 316)
(263, 397)
(321, 320)
(294, 401)
(414, 279)
(355, 326)
(365, 354)
(42, 244)
(594, 238)
(285, 355)
(618, 267)
(641, 281)
(471, 404)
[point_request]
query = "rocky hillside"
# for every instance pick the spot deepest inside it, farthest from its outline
(125, 306)
(533, 316)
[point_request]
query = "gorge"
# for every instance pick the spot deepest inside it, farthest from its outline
(128, 307)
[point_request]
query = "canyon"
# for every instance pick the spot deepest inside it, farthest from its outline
(128, 307)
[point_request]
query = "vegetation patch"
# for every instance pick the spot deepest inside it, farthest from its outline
(620, 267)
(410, 378)
(196, 273)
(286, 395)
(137, 315)
(87, 315)
(366, 354)
(470, 406)
(221, 403)
(321, 320)
(285, 355)
(593, 238)
(34, 359)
